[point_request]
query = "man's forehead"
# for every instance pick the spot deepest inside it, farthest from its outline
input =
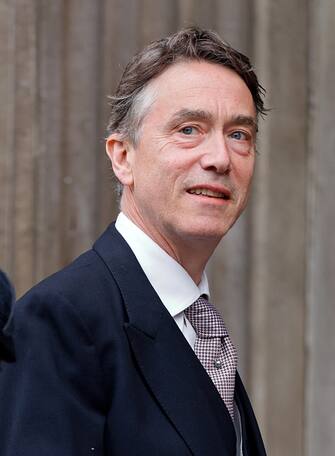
(194, 79)
(195, 72)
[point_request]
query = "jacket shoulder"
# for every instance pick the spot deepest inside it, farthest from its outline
(83, 274)
(85, 288)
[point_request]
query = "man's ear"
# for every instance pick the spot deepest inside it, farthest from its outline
(119, 152)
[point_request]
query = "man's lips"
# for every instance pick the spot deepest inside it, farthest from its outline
(211, 191)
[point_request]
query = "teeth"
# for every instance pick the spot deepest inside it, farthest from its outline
(207, 192)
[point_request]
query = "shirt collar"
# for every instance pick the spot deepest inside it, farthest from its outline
(170, 280)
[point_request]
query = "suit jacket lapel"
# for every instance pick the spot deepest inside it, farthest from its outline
(252, 439)
(175, 376)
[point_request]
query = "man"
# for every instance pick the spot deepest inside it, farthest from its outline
(121, 353)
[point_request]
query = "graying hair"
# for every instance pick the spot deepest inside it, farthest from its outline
(136, 107)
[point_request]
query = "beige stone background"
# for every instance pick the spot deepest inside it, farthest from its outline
(274, 275)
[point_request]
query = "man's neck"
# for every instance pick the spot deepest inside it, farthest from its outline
(191, 254)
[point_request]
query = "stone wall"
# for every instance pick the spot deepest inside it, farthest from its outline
(273, 275)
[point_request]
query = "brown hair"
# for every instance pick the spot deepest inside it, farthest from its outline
(193, 43)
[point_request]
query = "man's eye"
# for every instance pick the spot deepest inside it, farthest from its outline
(188, 130)
(239, 135)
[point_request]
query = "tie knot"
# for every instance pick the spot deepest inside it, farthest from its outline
(205, 319)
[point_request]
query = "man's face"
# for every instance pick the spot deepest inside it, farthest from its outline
(192, 167)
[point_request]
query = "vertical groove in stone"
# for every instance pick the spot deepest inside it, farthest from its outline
(279, 228)
(320, 290)
(24, 144)
(260, 206)
(48, 178)
(7, 129)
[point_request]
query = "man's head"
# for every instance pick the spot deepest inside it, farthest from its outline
(131, 100)
(182, 141)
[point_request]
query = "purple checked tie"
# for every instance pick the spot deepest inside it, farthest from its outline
(214, 348)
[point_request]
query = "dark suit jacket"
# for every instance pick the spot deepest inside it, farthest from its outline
(102, 369)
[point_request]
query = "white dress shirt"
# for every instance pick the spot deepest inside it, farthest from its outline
(174, 286)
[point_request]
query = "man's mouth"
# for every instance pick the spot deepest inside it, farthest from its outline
(210, 193)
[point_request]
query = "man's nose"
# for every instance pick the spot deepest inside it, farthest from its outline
(216, 156)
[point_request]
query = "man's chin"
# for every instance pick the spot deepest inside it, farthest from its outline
(205, 232)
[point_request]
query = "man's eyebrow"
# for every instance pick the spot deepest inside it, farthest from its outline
(243, 120)
(184, 115)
